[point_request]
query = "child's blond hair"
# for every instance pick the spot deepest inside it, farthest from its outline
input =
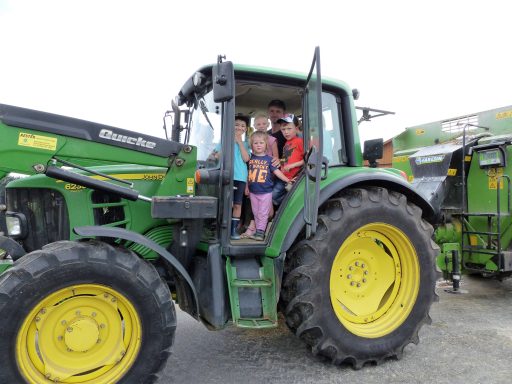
(261, 116)
(262, 135)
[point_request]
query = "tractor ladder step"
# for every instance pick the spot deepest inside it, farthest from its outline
(256, 323)
(481, 250)
(252, 291)
(482, 233)
(251, 283)
(486, 214)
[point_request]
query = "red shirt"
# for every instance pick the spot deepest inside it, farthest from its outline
(293, 152)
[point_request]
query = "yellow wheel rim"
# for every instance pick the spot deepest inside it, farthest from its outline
(374, 280)
(81, 334)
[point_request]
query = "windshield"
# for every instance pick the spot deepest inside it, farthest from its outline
(204, 136)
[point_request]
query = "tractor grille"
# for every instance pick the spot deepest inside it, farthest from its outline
(108, 209)
(46, 213)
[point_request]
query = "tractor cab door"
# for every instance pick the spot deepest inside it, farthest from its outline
(312, 128)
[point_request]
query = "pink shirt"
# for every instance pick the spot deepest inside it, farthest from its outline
(270, 143)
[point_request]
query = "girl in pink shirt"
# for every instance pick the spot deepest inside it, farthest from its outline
(261, 124)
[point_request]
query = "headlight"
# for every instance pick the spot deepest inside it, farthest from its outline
(16, 224)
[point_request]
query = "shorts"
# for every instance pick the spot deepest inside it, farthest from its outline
(238, 191)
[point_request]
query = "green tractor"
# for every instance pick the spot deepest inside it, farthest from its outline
(462, 166)
(114, 226)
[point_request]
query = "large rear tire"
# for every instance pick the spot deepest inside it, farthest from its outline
(84, 312)
(360, 289)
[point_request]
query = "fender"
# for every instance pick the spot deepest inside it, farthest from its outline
(120, 233)
(13, 248)
(374, 179)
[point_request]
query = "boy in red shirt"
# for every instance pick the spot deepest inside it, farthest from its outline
(293, 155)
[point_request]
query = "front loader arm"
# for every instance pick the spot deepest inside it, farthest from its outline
(30, 139)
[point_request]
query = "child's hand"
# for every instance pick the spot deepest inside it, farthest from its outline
(246, 190)
(287, 168)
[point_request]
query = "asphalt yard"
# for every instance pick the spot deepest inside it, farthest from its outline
(469, 341)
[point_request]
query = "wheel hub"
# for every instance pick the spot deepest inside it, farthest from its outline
(82, 334)
(357, 273)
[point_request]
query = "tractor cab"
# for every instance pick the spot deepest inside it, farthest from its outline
(203, 116)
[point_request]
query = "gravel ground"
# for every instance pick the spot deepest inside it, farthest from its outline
(469, 341)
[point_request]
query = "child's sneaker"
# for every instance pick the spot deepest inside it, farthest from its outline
(259, 235)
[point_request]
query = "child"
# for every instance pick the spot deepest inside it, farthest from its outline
(293, 155)
(261, 124)
(240, 158)
(261, 182)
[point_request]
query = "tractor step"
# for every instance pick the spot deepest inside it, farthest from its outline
(252, 291)
(482, 233)
(256, 323)
(251, 283)
(485, 251)
(485, 214)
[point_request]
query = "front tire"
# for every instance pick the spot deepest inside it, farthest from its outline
(360, 289)
(84, 312)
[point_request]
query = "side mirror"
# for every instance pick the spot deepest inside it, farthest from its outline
(223, 76)
(373, 150)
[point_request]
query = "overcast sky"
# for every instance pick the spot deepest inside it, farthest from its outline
(121, 62)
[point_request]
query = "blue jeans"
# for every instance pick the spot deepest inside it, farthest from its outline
(278, 192)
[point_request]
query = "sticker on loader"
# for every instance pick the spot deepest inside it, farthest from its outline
(37, 141)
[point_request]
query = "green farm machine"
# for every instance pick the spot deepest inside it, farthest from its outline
(111, 227)
(463, 167)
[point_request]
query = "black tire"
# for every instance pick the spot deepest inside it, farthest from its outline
(329, 277)
(132, 314)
